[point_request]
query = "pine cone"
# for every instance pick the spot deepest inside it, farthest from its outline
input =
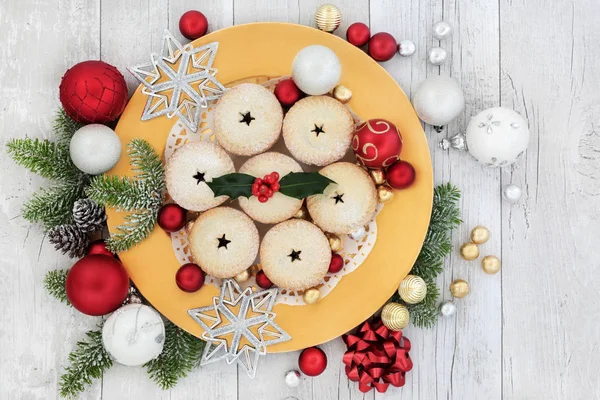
(88, 215)
(69, 239)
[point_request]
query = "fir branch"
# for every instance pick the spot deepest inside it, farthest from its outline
(122, 193)
(425, 313)
(181, 353)
(64, 128)
(54, 206)
(87, 362)
(54, 282)
(147, 164)
(138, 226)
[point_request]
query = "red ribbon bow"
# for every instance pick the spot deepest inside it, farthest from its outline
(377, 357)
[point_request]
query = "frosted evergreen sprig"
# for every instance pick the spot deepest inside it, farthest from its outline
(54, 282)
(53, 206)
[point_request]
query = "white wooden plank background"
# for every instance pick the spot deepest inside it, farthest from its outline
(530, 332)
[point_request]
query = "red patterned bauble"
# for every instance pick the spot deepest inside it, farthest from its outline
(400, 175)
(336, 264)
(97, 284)
(99, 247)
(377, 143)
(193, 25)
(358, 34)
(262, 280)
(382, 46)
(93, 92)
(171, 217)
(312, 361)
(287, 92)
(190, 278)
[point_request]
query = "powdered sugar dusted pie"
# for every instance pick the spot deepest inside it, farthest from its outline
(318, 130)
(295, 254)
(346, 205)
(188, 170)
(247, 119)
(224, 242)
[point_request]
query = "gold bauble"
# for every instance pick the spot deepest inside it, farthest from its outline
(328, 18)
(459, 288)
(469, 251)
(342, 94)
(188, 226)
(385, 193)
(412, 289)
(302, 213)
(311, 296)
(395, 316)
(253, 270)
(335, 242)
(480, 234)
(490, 264)
(378, 176)
(242, 276)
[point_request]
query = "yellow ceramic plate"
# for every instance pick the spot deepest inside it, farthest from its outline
(267, 49)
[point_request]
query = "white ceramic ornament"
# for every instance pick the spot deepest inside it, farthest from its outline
(316, 70)
(134, 334)
(497, 137)
(95, 149)
(438, 100)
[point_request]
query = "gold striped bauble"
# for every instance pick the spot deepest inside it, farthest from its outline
(328, 18)
(412, 289)
(395, 316)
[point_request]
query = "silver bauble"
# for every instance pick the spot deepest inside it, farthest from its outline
(447, 309)
(511, 193)
(438, 100)
(442, 30)
(406, 48)
(292, 378)
(358, 234)
(437, 56)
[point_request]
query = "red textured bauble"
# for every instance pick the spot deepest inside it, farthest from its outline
(358, 34)
(99, 247)
(401, 175)
(190, 278)
(93, 92)
(262, 280)
(377, 143)
(336, 264)
(287, 92)
(97, 284)
(382, 46)
(193, 25)
(312, 361)
(171, 217)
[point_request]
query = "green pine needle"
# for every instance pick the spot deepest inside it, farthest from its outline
(54, 282)
(87, 362)
(147, 164)
(122, 193)
(181, 353)
(54, 206)
(64, 128)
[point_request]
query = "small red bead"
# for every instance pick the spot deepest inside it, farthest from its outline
(262, 280)
(262, 198)
(336, 264)
(275, 175)
(190, 277)
(275, 187)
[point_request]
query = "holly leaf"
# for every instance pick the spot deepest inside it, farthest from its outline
(233, 185)
(303, 184)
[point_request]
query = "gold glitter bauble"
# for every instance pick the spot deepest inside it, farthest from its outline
(242, 276)
(328, 18)
(490, 264)
(385, 193)
(335, 242)
(469, 251)
(342, 94)
(311, 296)
(459, 288)
(302, 213)
(378, 176)
(412, 289)
(480, 234)
(395, 316)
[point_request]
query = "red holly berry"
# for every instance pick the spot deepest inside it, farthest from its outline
(275, 175)
(262, 198)
(263, 189)
(258, 181)
(275, 187)
(269, 193)
(269, 179)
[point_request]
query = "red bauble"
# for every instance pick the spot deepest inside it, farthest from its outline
(190, 277)
(336, 264)
(93, 92)
(377, 143)
(312, 361)
(287, 92)
(99, 247)
(358, 34)
(171, 217)
(262, 280)
(401, 175)
(193, 24)
(382, 46)
(97, 284)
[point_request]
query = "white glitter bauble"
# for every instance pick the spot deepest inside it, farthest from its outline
(134, 334)
(447, 309)
(511, 193)
(292, 378)
(438, 100)
(358, 234)
(442, 30)
(316, 70)
(406, 48)
(497, 137)
(95, 149)
(437, 56)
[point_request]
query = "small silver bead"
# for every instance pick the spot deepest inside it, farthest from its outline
(447, 309)
(406, 48)
(442, 30)
(437, 56)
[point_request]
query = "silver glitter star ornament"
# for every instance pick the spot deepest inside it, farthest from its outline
(179, 82)
(231, 318)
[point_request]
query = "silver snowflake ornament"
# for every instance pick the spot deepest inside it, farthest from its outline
(235, 315)
(180, 81)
